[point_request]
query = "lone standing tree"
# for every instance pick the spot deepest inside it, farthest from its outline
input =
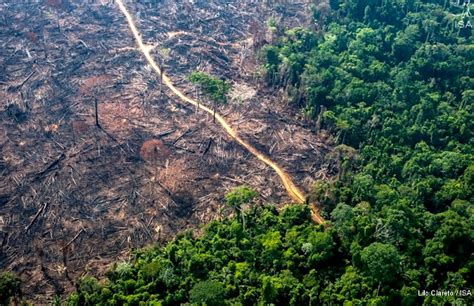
(238, 197)
(212, 87)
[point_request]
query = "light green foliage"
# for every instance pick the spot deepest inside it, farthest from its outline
(239, 196)
(212, 87)
(272, 246)
(272, 24)
(123, 269)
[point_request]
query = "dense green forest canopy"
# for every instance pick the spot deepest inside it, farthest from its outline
(285, 259)
(393, 81)
(396, 83)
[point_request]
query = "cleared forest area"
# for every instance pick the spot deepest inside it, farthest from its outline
(96, 158)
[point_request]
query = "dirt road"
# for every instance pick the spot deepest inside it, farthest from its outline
(293, 191)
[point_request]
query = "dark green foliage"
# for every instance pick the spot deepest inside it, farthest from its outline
(381, 262)
(268, 263)
(285, 259)
(9, 287)
(209, 293)
(396, 82)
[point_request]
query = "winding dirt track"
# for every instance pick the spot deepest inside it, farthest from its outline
(293, 191)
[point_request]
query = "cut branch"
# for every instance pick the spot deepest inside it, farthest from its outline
(36, 216)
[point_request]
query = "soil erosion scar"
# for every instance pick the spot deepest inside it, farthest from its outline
(293, 191)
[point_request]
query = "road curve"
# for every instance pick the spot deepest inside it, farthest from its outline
(293, 191)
